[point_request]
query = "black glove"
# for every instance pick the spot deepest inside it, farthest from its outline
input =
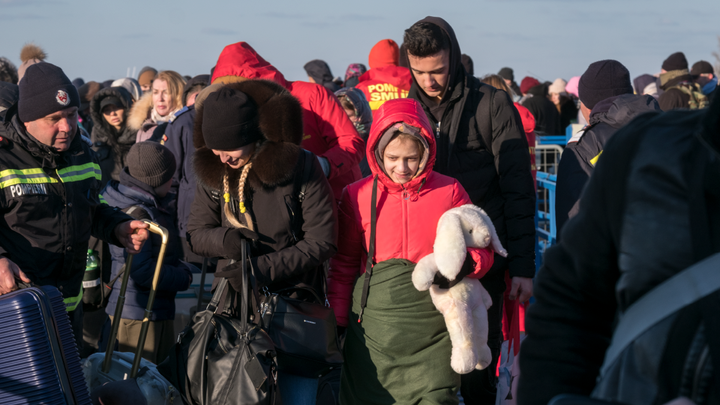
(231, 243)
(467, 268)
(233, 274)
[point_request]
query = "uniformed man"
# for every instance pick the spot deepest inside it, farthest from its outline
(49, 192)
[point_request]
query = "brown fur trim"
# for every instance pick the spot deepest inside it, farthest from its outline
(140, 111)
(280, 120)
(32, 51)
(275, 162)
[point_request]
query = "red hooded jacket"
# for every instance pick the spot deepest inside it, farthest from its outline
(407, 214)
(528, 122)
(327, 130)
(385, 80)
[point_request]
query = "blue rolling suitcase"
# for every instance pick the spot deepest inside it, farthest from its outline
(39, 361)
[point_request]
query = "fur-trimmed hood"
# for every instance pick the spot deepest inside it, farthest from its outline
(96, 114)
(140, 112)
(280, 121)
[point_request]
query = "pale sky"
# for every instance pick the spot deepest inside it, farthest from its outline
(100, 40)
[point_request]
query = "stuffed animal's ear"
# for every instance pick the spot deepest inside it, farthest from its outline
(494, 240)
(450, 248)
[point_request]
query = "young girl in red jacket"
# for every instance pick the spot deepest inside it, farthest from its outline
(397, 348)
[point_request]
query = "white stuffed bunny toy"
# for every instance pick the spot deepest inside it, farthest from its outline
(464, 305)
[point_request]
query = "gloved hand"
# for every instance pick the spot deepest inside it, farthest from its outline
(467, 268)
(325, 164)
(233, 273)
(231, 243)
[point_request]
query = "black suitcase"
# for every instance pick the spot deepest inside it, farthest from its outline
(39, 361)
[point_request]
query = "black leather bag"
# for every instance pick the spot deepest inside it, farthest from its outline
(304, 333)
(222, 358)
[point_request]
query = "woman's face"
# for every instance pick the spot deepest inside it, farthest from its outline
(401, 160)
(236, 158)
(555, 98)
(162, 100)
(114, 115)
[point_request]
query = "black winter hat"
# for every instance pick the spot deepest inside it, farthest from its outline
(676, 61)
(151, 163)
(507, 74)
(230, 120)
(45, 89)
(702, 67)
(602, 80)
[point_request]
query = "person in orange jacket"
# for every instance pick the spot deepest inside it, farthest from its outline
(327, 131)
(385, 80)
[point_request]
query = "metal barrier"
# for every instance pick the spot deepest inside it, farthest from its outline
(545, 225)
(547, 158)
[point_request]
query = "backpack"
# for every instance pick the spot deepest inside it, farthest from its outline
(697, 99)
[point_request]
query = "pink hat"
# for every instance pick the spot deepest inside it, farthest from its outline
(572, 86)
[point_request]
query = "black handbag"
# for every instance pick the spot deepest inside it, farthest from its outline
(222, 358)
(304, 333)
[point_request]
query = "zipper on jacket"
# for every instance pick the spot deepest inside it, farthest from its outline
(437, 131)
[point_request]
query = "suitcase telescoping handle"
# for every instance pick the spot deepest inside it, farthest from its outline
(154, 228)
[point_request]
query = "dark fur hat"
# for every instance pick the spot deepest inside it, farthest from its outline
(280, 121)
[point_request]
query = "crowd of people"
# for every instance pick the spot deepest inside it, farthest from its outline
(219, 158)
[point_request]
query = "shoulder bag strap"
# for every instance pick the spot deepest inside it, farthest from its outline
(679, 291)
(371, 249)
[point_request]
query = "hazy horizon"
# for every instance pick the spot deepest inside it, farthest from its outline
(545, 39)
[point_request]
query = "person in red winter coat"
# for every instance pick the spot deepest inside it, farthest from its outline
(328, 132)
(411, 364)
(385, 80)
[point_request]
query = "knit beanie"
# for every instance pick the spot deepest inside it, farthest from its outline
(528, 83)
(384, 53)
(30, 54)
(151, 163)
(507, 74)
(572, 86)
(602, 80)
(45, 90)
(230, 120)
(676, 61)
(558, 86)
(702, 67)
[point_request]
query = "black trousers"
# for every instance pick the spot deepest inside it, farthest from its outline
(479, 387)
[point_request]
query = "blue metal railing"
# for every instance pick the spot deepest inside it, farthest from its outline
(545, 225)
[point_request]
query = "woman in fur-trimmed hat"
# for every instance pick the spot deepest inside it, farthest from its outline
(249, 167)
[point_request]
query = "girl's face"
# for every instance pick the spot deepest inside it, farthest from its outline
(162, 100)
(236, 158)
(401, 160)
(114, 115)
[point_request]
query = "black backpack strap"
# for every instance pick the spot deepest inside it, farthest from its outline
(371, 249)
(305, 178)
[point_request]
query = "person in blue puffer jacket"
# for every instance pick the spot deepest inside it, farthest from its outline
(143, 192)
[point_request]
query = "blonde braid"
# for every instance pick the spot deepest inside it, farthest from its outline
(241, 197)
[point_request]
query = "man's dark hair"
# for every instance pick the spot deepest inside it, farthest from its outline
(425, 39)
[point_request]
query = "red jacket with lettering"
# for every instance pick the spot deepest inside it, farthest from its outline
(328, 131)
(384, 83)
(407, 214)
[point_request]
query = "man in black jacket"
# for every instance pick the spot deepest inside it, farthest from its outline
(650, 210)
(49, 191)
(607, 102)
(480, 142)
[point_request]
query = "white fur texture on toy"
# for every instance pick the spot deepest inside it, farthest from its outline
(464, 305)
